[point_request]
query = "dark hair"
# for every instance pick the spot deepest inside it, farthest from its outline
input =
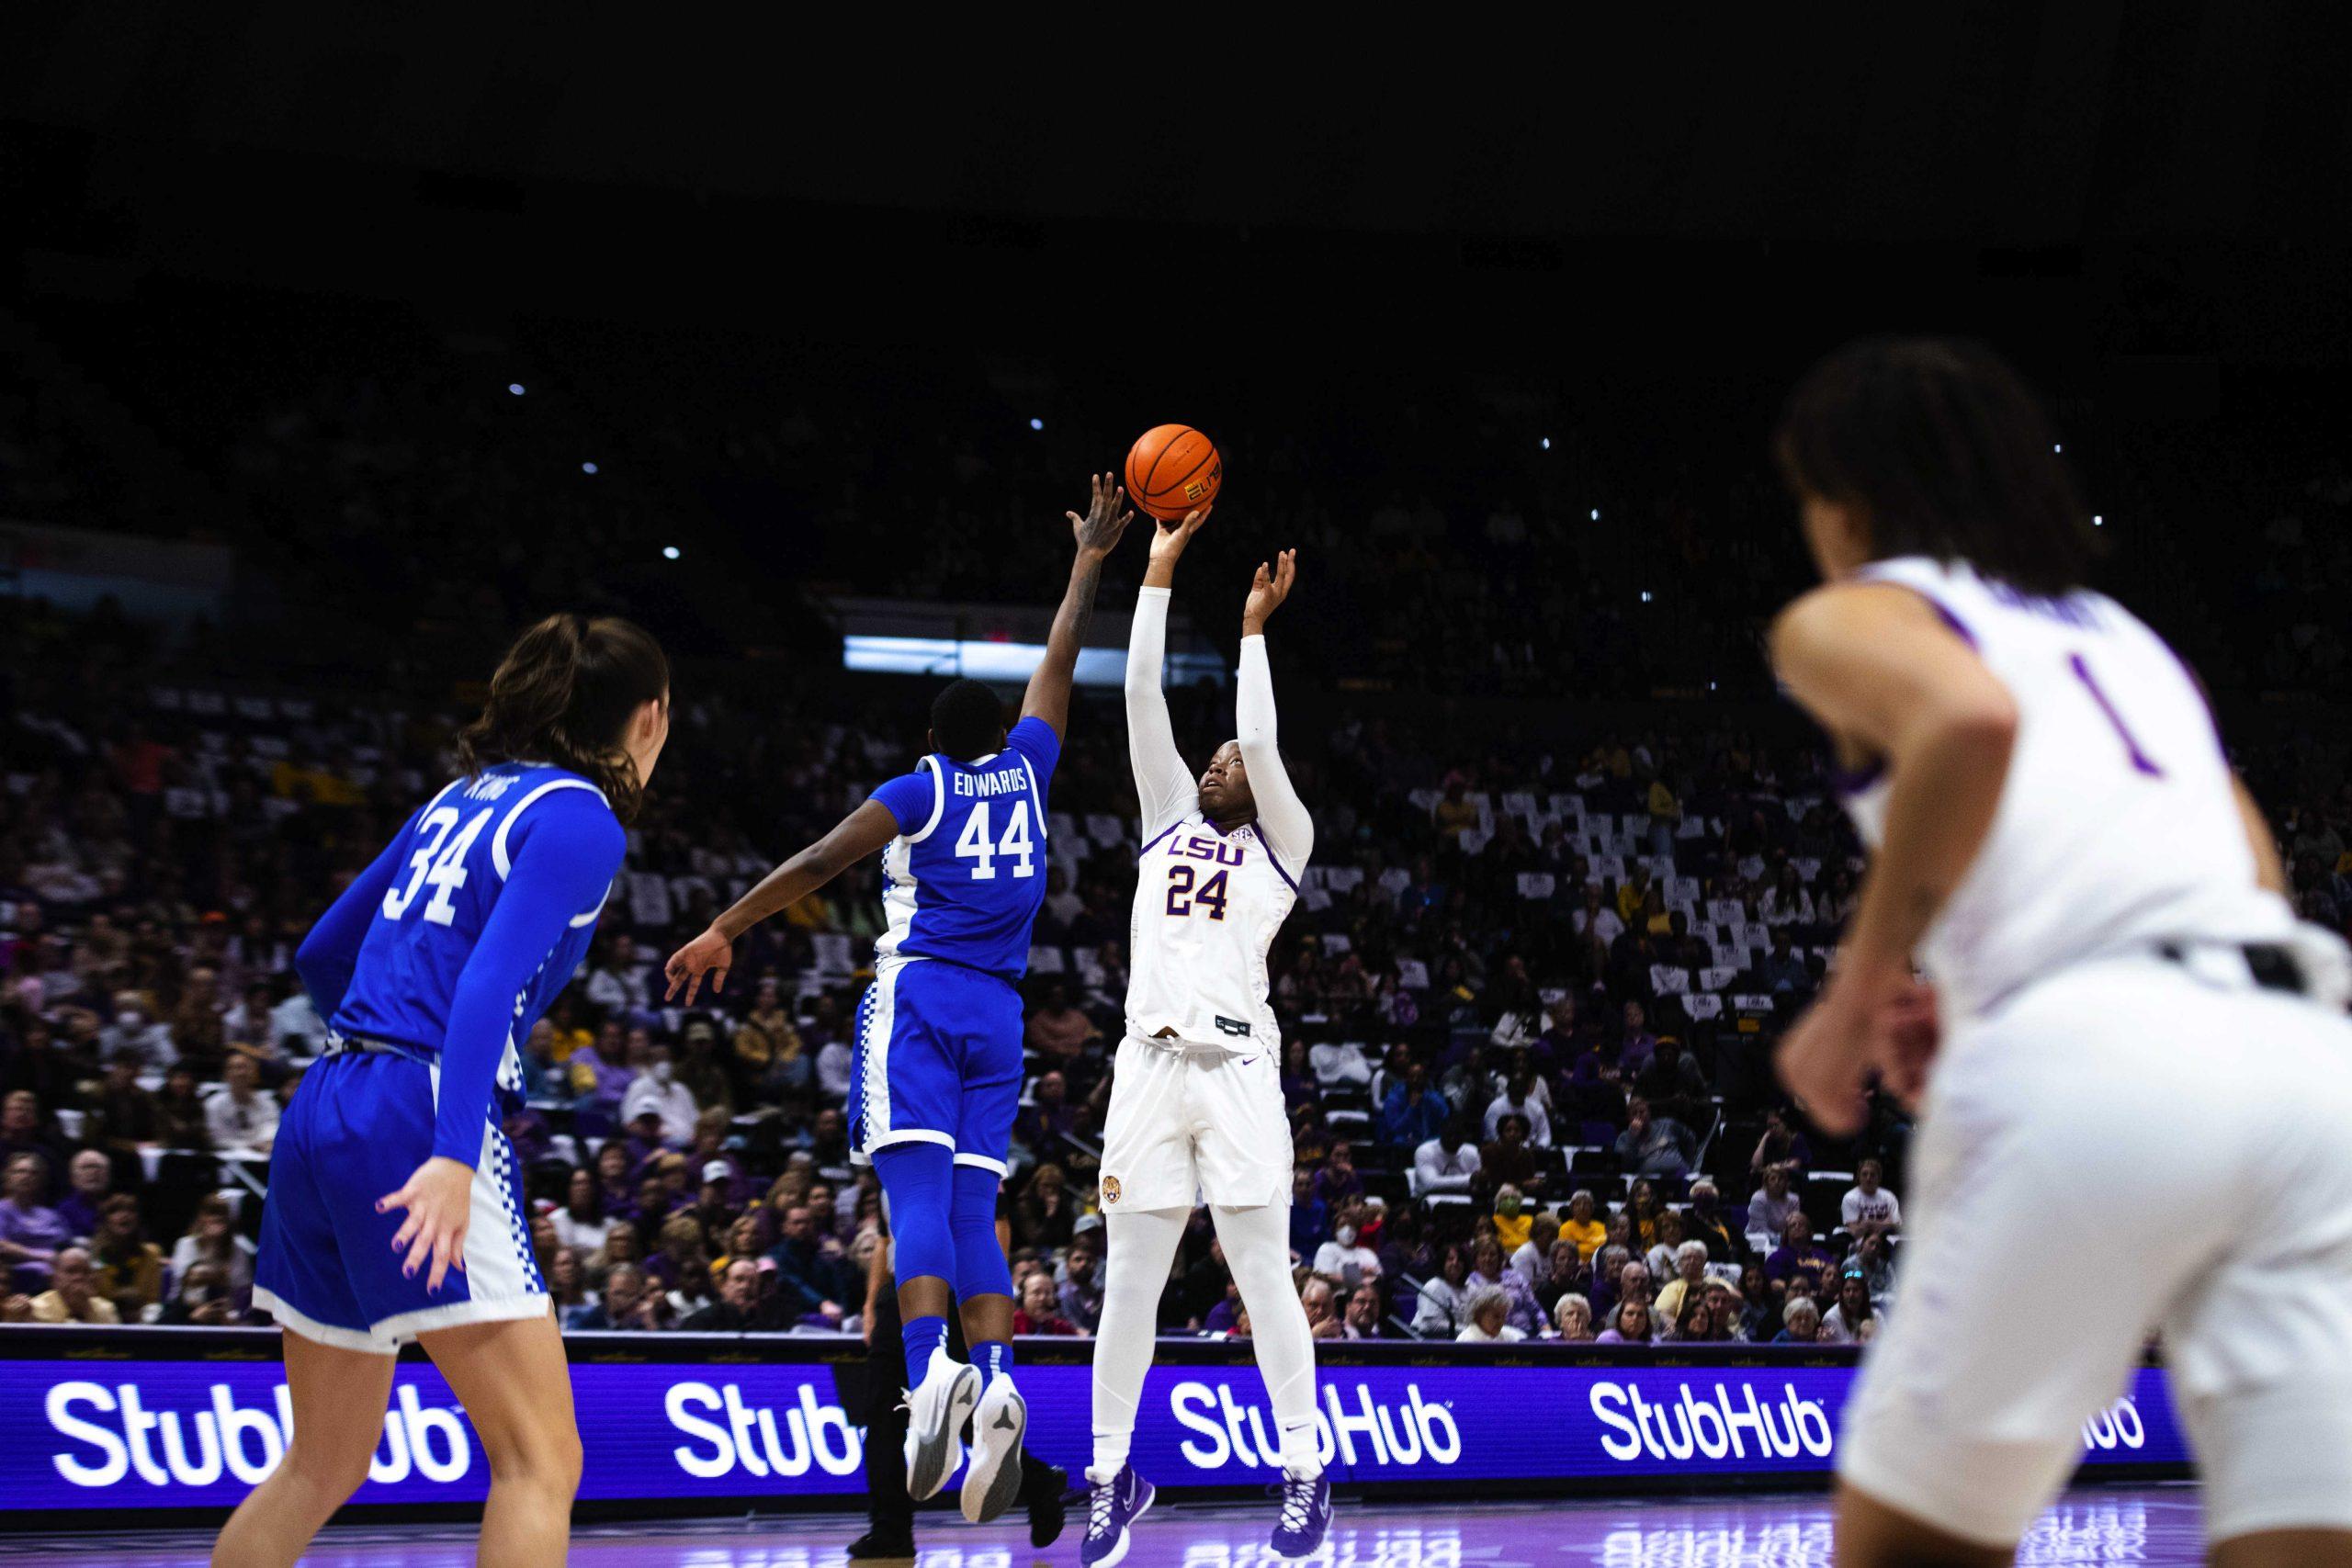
(966, 719)
(562, 693)
(1944, 452)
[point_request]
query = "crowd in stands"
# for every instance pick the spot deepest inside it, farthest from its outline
(1527, 996)
(1527, 999)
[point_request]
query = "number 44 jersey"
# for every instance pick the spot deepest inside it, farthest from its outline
(964, 879)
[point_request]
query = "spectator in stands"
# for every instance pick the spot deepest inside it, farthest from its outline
(1634, 1043)
(1413, 1113)
(32, 1233)
(1345, 1258)
(1439, 1302)
(25, 1129)
(1629, 1323)
(1487, 1315)
(242, 1117)
(1873, 1255)
(1510, 1160)
(1690, 1320)
(1058, 1031)
(1049, 1118)
(200, 1299)
(1655, 1146)
(1868, 1207)
(626, 1303)
(1799, 1256)
(770, 1059)
(1581, 1226)
(126, 1269)
(1759, 1309)
(1801, 1322)
(1769, 1207)
(72, 1296)
(807, 1283)
(1730, 1310)
(657, 1094)
(737, 1310)
(1844, 1321)
(1781, 971)
(1490, 1269)
(1673, 1082)
(1513, 1224)
(1310, 1217)
(1706, 1222)
(1780, 1145)
(1662, 1256)
(567, 1283)
(89, 1178)
(1322, 1305)
(1521, 1095)
(1337, 1183)
(1081, 1290)
(1039, 1312)
(137, 1031)
(1689, 1278)
(183, 1118)
(211, 1237)
(1366, 1318)
(1047, 1216)
(1533, 1257)
(1448, 1162)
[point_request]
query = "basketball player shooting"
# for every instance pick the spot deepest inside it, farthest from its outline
(1196, 1100)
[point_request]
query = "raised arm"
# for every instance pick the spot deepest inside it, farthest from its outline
(856, 836)
(1283, 817)
(1165, 788)
(1096, 532)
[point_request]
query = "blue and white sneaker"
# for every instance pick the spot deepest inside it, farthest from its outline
(1112, 1506)
(1306, 1514)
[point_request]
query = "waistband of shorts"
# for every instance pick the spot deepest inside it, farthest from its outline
(365, 1045)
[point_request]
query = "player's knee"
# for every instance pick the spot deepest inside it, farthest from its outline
(547, 1461)
(980, 1267)
(329, 1474)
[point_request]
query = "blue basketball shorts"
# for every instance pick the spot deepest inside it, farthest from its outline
(357, 1128)
(938, 1061)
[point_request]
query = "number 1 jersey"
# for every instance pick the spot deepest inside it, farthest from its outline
(964, 878)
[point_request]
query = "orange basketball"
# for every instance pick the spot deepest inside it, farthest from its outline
(1172, 469)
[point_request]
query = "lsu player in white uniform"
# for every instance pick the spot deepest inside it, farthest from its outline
(2132, 1066)
(1196, 1101)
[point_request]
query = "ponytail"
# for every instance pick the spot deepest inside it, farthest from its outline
(564, 693)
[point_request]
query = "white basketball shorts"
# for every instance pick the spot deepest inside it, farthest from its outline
(1192, 1124)
(2128, 1146)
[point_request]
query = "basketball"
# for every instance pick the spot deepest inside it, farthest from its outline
(1173, 470)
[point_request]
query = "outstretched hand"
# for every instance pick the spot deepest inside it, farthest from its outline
(1267, 591)
(709, 953)
(1169, 539)
(1098, 532)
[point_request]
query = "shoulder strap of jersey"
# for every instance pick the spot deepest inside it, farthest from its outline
(938, 799)
(500, 857)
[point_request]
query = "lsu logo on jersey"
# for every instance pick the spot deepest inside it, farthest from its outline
(1219, 849)
(1110, 1189)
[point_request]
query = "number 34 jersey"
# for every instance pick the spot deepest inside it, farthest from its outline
(964, 878)
(1207, 906)
(2118, 827)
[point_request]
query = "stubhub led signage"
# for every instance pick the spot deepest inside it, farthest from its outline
(137, 1434)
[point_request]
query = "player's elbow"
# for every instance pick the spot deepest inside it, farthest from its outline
(1981, 723)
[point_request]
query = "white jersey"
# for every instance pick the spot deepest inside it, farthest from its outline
(2118, 827)
(1207, 904)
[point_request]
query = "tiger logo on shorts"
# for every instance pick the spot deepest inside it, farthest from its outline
(1110, 1189)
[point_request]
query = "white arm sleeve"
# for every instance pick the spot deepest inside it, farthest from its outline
(1165, 789)
(1282, 816)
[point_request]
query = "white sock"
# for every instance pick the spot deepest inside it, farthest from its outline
(1142, 1246)
(1257, 1248)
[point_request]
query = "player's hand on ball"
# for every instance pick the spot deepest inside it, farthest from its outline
(709, 953)
(1107, 516)
(439, 1196)
(1268, 590)
(1169, 539)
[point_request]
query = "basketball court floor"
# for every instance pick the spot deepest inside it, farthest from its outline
(2145, 1524)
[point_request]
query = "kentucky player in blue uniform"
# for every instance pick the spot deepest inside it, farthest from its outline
(395, 1207)
(937, 1076)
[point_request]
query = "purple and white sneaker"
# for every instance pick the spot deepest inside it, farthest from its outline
(1306, 1514)
(1112, 1506)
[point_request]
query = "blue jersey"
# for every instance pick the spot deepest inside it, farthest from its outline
(963, 878)
(465, 928)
